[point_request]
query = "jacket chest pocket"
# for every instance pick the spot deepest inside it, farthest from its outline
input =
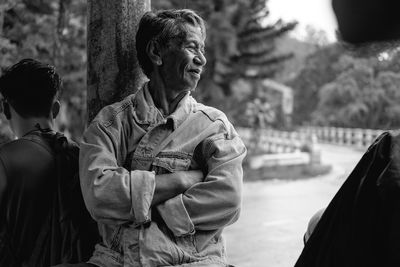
(171, 162)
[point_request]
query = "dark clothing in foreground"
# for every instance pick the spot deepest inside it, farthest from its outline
(43, 220)
(361, 225)
(367, 20)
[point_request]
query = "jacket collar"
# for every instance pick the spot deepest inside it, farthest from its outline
(147, 113)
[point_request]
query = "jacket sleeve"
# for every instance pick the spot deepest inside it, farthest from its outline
(112, 194)
(215, 202)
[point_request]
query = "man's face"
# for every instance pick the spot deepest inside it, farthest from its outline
(183, 61)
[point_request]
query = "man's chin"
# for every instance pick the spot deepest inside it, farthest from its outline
(191, 87)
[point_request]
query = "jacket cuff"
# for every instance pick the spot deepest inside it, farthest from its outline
(143, 184)
(176, 217)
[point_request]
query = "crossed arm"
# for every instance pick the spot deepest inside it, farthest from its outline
(185, 199)
(216, 201)
(115, 195)
(170, 185)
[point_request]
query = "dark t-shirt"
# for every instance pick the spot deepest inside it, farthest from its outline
(29, 169)
(30, 173)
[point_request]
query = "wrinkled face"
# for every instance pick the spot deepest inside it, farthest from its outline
(183, 61)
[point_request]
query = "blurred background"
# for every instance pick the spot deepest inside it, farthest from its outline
(306, 104)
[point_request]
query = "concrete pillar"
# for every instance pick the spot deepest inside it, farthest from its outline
(358, 137)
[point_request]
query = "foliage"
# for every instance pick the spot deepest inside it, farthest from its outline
(319, 69)
(301, 50)
(53, 32)
(316, 36)
(349, 86)
(364, 95)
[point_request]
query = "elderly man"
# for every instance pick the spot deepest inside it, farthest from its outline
(161, 173)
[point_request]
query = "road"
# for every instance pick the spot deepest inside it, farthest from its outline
(275, 213)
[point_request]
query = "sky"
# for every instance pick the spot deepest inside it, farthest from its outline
(316, 13)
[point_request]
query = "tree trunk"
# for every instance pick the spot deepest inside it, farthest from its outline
(61, 17)
(113, 69)
(3, 7)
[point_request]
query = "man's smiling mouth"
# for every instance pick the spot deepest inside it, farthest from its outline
(195, 71)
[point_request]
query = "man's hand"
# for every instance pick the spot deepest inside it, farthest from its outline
(173, 184)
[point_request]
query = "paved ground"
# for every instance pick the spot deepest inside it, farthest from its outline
(275, 213)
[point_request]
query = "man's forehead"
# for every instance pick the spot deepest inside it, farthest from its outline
(193, 33)
(193, 29)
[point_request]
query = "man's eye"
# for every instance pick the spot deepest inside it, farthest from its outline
(196, 49)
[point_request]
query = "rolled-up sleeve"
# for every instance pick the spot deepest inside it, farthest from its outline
(215, 202)
(112, 194)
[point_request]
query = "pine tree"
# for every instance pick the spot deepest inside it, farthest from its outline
(254, 57)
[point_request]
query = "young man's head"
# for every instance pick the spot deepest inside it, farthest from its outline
(31, 88)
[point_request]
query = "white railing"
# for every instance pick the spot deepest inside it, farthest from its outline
(280, 147)
(343, 136)
(274, 141)
(286, 148)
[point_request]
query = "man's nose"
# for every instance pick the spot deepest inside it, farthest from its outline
(200, 59)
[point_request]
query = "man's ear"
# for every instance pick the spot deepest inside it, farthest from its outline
(154, 53)
(55, 108)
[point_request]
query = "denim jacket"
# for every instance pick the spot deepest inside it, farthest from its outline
(118, 168)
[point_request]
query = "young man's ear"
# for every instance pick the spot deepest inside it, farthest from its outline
(154, 53)
(55, 109)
